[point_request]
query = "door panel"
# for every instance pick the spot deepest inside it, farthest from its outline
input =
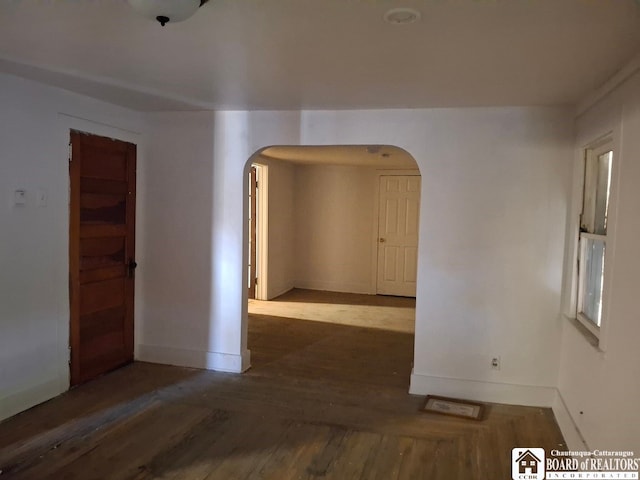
(412, 206)
(391, 216)
(101, 248)
(390, 263)
(398, 235)
(104, 165)
(101, 295)
(410, 264)
(103, 209)
(102, 252)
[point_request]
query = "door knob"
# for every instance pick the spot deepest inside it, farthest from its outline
(132, 266)
(382, 240)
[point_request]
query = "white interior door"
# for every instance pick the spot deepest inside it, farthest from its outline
(398, 235)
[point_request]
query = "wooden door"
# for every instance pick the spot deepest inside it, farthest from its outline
(101, 254)
(253, 193)
(398, 235)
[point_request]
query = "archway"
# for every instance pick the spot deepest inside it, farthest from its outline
(324, 205)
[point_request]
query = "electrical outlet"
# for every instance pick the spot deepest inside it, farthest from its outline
(495, 363)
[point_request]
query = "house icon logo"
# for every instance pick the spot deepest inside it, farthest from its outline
(527, 463)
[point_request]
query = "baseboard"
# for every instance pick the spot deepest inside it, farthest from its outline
(15, 403)
(572, 436)
(276, 292)
(335, 286)
(530, 395)
(221, 362)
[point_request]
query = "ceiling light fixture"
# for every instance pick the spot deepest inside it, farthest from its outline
(165, 11)
(402, 16)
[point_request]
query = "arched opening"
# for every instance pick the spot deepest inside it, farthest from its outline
(336, 245)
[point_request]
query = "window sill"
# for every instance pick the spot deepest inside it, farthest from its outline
(586, 333)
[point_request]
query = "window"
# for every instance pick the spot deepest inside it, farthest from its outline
(598, 163)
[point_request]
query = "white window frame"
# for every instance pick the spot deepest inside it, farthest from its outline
(594, 150)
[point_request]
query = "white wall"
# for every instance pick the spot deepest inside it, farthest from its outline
(281, 225)
(493, 207)
(281, 228)
(177, 272)
(34, 293)
(334, 225)
(321, 227)
(600, 389)
(494, 201)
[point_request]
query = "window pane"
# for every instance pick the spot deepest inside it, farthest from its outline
(592, 269)
(597, 185)
(602, 192)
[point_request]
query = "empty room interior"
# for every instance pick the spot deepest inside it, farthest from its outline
(319, 239)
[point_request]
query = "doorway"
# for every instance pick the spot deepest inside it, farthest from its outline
(102, 174)
(257, 246)
(325, 211)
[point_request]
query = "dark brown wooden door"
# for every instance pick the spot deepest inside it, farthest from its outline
(101, 254)
(253, 193)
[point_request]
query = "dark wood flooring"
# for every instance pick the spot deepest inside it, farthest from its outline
(322, 401)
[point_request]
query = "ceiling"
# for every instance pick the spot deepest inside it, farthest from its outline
(375, 156)
(323, 54)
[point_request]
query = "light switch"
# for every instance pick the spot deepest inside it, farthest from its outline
(20, 197)
(42, 197)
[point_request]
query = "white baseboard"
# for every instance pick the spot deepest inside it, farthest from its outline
(494, 392)
(17, 402)
(568, 427)
(221, 362)
(335, 286)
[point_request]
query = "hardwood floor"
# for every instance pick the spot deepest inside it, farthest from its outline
(396, 314)
(322, 401)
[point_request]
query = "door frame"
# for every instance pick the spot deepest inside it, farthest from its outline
(75, 168)
(253, 234)
(262, 231)
(67, 122)
(376, 219)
